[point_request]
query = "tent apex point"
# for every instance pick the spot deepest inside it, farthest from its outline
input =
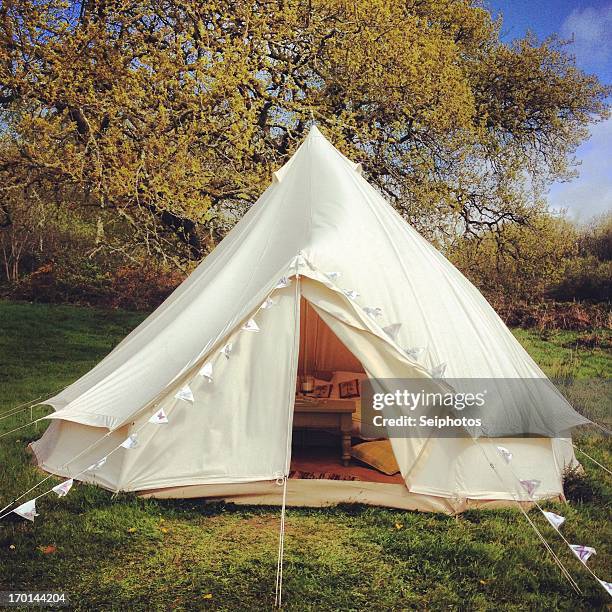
(314, 131)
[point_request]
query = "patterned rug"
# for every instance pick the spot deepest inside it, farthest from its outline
(320, 476)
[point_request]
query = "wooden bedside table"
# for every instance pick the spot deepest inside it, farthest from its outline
(315, 413)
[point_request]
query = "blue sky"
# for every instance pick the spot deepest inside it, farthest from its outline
(589, 24)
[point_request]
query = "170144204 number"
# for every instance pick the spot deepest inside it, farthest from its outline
(33, 598)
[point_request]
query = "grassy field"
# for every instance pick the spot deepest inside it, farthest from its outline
(120, 552)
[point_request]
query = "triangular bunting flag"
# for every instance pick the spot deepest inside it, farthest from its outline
(350, 294)
(269, 302)
(130, 442)
(415, 353)
(63, 488)
(554, 519)
(250, 325)
(226, 351)
(333, 276)
(97, 465)
(185, 394)
(392, 330)
(530, 486)
(438, 371)
(584, 553)
(607, 586)
(27, 510)
(159, 418)
(207, 371)
(373, 312)
(283, 282)
(505, 453)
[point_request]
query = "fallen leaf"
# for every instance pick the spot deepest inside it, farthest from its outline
(131, 529)
(398, 525)
(164, 530)
(207, 596)
(47, 550)
(12, 547)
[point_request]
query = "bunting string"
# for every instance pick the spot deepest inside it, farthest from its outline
(91, 467)
(552, 520)
(128, 443)
(390, 331)
(564, 571)
(24, 494)
(269, 302)
(65, 465)
(555, 520)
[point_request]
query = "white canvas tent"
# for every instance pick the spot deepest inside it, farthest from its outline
(333, 242)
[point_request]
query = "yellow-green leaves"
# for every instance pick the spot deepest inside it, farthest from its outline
(168, 115)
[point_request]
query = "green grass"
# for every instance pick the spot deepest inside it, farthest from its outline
(121, 552)
(561, 353)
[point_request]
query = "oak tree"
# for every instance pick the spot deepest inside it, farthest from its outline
(163, 119)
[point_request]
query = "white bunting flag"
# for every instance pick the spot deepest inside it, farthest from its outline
(554, 519)
(415, 353)
(251, 326)
(392, 330)
(185, 394)
(159, 418)
(97, 465)
(505, 453)
(607, 586)
(130, 442)
(350, 294)
(283, 282)
(269, 303)
(530, 486)
(63, 488)
(226, 351)
(207, 371)
(373, 312)
(333, 276)
(584, 553)
(438, 371)
(27, 510)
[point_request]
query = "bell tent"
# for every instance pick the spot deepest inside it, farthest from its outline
(321, 274)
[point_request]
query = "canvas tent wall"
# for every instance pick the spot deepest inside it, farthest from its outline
(334, 242)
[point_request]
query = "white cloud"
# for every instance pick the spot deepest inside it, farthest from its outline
(591, 30)
(591, 193)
